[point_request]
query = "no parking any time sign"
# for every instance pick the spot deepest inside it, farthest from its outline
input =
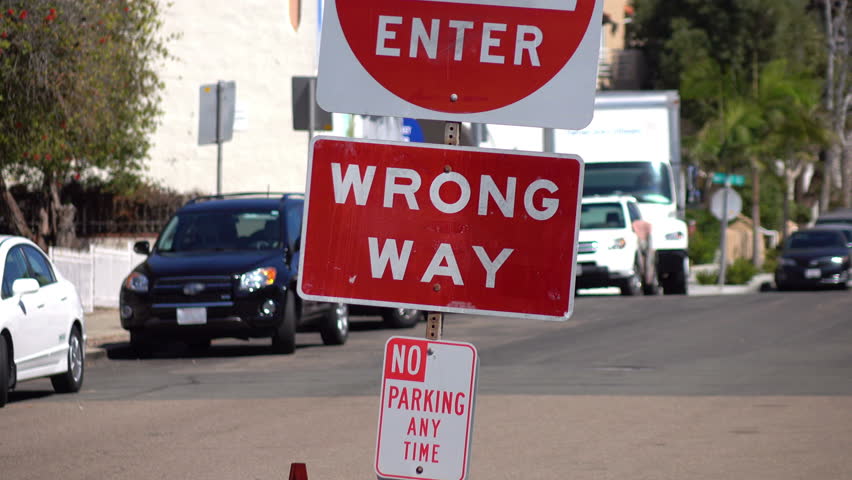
(426, 411)
(514, 62)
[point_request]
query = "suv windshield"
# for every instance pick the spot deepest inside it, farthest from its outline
(648, 182)
(220, 231)
(816, 240)
(601, 215)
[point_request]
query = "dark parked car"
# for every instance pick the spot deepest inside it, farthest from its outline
(226, 266)
(841, 215)
(815, 257)
(391, 317)
(844, 228)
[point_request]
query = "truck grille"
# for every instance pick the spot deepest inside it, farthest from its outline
(587, 247)
(189, 290)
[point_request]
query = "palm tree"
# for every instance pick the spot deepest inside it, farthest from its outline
(775, 116)
(797, 128)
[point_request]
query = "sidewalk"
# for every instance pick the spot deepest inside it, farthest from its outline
(760, 282)
(103, 326)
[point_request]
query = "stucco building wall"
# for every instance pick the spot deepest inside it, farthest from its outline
(253, 43)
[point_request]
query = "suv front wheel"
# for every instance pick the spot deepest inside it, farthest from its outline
(633, 284)
(284, 338)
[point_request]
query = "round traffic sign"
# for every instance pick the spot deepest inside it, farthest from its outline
(717, 201)
(463, 56)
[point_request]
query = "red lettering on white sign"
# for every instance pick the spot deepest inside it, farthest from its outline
(492, 53)
(429, 421)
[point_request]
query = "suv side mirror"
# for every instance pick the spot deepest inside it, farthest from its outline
(143, 247)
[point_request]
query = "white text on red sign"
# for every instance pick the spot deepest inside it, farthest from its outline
(443, 262)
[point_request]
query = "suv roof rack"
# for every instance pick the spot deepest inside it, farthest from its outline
(223, 196)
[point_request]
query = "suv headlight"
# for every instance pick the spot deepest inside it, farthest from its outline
(838, 260)
(788, 262)
(618, 244)
(136, 282)
(257, 278)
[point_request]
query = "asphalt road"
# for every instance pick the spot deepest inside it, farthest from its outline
(752, 386)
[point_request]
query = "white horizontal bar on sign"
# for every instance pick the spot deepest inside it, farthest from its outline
(568, 5)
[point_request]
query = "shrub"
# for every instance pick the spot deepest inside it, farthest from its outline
(740, 272)
(704, 241)
(707, 278)
(770, 263)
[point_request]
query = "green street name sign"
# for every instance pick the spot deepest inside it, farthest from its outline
(734, 180)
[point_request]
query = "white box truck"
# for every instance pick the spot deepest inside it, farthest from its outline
(631, 147)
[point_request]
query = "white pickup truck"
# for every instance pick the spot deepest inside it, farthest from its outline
(615, 247)
(631, 147)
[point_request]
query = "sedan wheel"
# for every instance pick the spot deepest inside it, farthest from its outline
(4, 371)
(72, 379)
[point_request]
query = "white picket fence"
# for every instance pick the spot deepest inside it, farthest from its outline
(97, 272)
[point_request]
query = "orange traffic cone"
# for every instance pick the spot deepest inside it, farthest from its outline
(298, 471)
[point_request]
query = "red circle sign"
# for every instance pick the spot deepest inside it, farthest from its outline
(460, 57)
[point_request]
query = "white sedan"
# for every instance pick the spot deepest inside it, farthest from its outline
(42, 329)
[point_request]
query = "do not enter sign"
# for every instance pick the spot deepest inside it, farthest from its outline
(518, 62)
(426, 409)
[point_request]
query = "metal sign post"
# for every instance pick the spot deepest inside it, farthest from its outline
(312, 109)
(217, 105)
(219, 136)
(548, 140)
(725, 204)
(435, 320)
(724, 229)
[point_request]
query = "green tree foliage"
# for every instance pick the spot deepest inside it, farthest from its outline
(737, 34)
(79, 94)
(747, 72)
(704, 240)
(777, 119)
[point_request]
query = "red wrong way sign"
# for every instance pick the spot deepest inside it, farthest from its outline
(451, 229)
(516, 62)
(426, 409)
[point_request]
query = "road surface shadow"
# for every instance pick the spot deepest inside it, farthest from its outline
(176, 349)
(24, 395)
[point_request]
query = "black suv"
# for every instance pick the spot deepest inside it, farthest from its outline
(226, 266)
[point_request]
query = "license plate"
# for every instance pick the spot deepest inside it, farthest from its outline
(813, 273)
(191, 316)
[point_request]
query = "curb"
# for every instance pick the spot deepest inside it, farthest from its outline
(95, 353)
(95, 348)
(758, 283)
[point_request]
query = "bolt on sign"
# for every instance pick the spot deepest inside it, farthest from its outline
(426, 409)
(439, 228)
(513, 62)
